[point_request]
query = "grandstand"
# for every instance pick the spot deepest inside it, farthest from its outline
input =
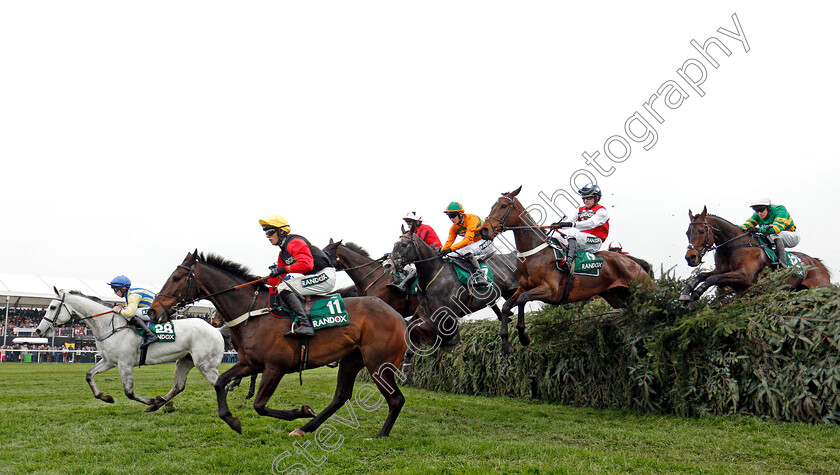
(24, 299)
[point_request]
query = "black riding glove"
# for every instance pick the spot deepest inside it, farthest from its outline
(752, 230)
(562, 224)
(444, 252)
(273, 271)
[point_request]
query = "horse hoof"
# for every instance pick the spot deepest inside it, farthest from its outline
(297, 433)
(507, 348)
(307, 411)
(107, 398)
(405, 367)
(525, 340)
(236, 425)
(685, 298)
(152, 408)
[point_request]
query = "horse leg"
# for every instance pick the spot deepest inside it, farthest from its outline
(406, 364)
(252, 387)
(103, 365)
(507, 348)
(736, 278)
(385, 380)
(236, 371)
(509, 303)
(688, 294)
(347, 370)
(182, 370)
(524, 339)
(127, 376)
(271, 378)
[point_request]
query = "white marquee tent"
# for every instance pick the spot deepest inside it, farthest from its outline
(36, 291)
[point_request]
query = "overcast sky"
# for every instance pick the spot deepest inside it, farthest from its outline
(133, 133)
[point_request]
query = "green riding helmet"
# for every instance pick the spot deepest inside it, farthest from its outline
(454, 207)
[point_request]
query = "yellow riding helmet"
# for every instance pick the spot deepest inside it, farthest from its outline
(277, 221)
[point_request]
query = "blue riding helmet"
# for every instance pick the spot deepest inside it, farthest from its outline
(120, 282)
(590, 190)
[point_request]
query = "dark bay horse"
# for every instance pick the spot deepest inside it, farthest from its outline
(374, 339)
(444, 299)
(538, 276)
(738, 258)
(369, 276)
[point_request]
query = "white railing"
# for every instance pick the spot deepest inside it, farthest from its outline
(18, 355)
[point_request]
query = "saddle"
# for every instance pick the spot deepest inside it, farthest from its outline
(584, 262)
(464, 269)
(325, 311)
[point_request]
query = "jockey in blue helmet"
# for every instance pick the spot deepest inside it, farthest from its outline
(134, 298)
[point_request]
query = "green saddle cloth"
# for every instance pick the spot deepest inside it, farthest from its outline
(586, 263)
(164, 331)
(326, 313)
(792, 260)
(464, 275)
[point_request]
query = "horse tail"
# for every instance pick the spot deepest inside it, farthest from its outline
(645, 265)
(225, 331)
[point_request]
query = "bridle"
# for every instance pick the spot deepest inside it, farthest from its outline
(501, 220)
(181, 300)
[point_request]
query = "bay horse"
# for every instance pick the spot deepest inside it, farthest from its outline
(374, 339)
(196, 343)
(738, 258)
(444, 299)
(536, 271)
(369, 276)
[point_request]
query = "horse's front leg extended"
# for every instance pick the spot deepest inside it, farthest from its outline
(688, 294)
(735, 279)
(238, 370)
(127, 376)
(507, 348)
(103, 365)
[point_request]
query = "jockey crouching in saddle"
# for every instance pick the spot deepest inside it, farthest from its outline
(427, 234)
(471, 247)
(298, 256)
(134, 298)
(775, 222)
(588, 228)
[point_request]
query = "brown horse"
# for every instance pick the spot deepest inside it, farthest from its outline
(374, 339)
(738, 258)
(538, 275)
(369, 276)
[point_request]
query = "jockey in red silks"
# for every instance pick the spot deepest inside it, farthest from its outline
(427, 234)
(297, 256)
(590, 226)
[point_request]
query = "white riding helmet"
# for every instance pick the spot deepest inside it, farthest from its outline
(760, 202)
(615, 245)
(413, 216)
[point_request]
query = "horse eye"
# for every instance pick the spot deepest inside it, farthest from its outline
(702, 231)
(504, 206)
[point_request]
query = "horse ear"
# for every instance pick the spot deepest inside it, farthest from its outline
(56, 291)
(516, 191)
(703, 214)
(331, 241)
(690, 214)
(402, 228)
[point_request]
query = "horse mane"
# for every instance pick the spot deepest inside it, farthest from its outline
(356, 248)
(724, 220)
(230, 267)
(95, 299)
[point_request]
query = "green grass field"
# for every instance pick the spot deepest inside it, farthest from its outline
(52, 424)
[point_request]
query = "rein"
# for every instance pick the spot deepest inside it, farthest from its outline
(701, 251)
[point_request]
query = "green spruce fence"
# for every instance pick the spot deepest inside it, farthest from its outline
(765, 352)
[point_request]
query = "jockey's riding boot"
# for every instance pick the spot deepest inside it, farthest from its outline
(149, 336)
(402, 285)
(780, 252)
(570, 254)
(478, 275)
(304, 326)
